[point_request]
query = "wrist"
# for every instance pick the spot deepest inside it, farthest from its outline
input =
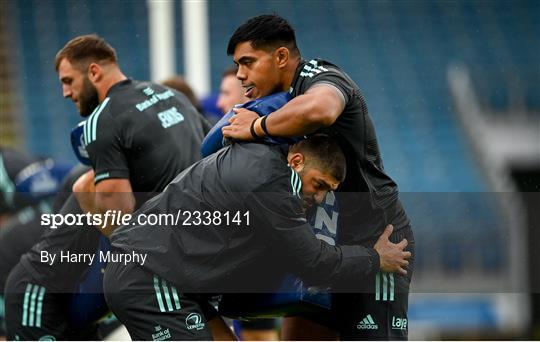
(258, 127)
(375, 260)
(253, 130)
(263, 125)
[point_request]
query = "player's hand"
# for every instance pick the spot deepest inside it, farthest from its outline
(393, 257)
(240, 124)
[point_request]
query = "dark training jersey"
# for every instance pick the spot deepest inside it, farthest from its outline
(12, 162)
(368, 197)
(212, 254)
(60, 276)
(143, 132)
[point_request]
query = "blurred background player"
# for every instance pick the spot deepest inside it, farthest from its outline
(231, 92)
(28, 185)
(178, 83)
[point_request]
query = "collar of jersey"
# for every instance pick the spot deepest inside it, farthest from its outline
(119, 85)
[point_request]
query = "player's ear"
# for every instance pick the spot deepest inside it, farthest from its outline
(296, 161)
(282, 56)
(95, 72)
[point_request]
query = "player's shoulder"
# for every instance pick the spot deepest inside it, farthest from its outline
(318, 70)
(317, 66)
(130, 95)
(252, 165)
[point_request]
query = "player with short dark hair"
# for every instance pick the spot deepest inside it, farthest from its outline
(271, 187)
(325, 99)
(139, 136)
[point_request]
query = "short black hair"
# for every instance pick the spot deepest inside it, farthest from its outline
(264, 32)
(324, 153)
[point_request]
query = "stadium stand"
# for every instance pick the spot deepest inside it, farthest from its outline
(9, 99)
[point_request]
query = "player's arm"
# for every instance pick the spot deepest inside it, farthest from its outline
(315, 260)
(107, 195)
(114, 194)
(319, 106)
(109, 188)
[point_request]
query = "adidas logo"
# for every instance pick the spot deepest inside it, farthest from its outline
(367, 324)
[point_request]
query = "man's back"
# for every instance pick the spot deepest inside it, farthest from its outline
(144, 132)
(124, 142)
(210, 220)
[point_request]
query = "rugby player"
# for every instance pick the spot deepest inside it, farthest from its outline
(139, 136)
(208, 251)
(325, 99)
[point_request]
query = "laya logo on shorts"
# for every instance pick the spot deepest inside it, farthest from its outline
(399, 323)
(194, 321)
(367, 324)
(161, 334)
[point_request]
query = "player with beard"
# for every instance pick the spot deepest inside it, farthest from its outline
(272, 185)
(139, 136)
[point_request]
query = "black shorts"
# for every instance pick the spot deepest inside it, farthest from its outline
(19, 235)
(34, 313)
(151, 307)
(379, 312)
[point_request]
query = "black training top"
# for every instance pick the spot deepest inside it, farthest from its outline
(368, 197)
(141, 131)
(144, 132)
(12, 162)
(213, 252)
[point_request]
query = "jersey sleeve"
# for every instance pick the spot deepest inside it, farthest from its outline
(315, 261)
(103, 139)
(314, 73)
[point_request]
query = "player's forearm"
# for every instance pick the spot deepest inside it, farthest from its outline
(319, 263)
(114, 202)
(342, 267)
(302, 115)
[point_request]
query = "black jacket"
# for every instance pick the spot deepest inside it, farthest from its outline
(242, 178)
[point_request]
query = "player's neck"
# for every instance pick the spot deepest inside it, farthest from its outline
(113, 77)
(289, 73)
